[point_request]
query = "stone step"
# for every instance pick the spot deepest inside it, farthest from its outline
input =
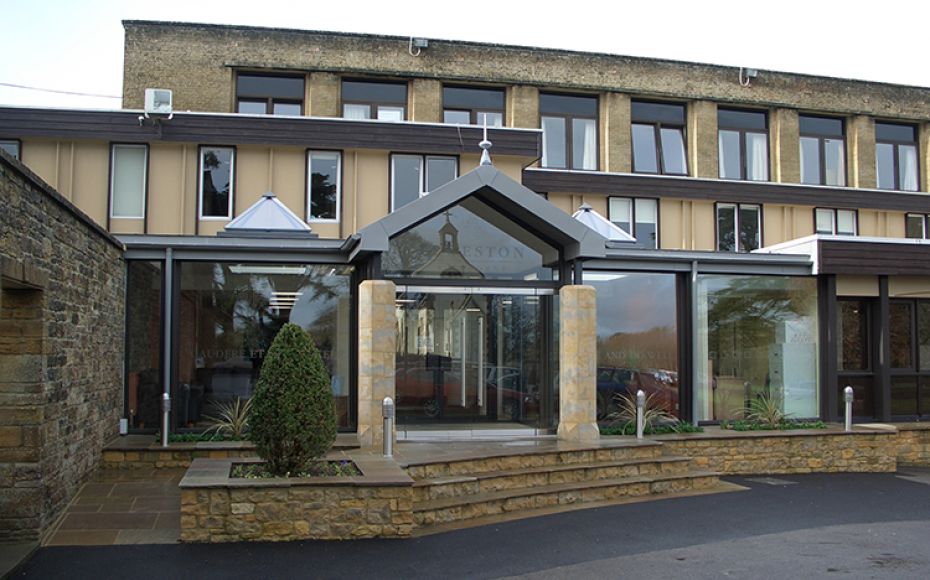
(516, 460)
(503, 502)
(470, 484)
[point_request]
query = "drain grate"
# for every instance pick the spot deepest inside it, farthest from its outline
(771, 481)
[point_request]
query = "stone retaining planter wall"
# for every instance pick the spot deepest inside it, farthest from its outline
(177, 455)
(807, 451)
(913, 444)
(218, 508)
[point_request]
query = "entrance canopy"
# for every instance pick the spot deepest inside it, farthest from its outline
(499, 203)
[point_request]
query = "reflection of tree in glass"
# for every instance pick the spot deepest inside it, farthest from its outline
(408, 252)
(323, 200)
(215, 201)
(751, 310)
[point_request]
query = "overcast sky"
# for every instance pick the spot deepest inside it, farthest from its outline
(76, 46)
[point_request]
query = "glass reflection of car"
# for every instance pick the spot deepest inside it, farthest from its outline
(417, 390)
(612, 382)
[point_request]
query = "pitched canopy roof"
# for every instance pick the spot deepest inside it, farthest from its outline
(267, 216)
(601, 225)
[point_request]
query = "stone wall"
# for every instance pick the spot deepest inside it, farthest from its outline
(197, 62)
(753, 453)
(61, 350)
(913, 446)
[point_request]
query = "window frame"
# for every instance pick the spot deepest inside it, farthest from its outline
(569, 131)
(743, 132)
(632, 216)
(822, 149)
(474, 112)
(737, 208)
(924, 224)
(270, 100)
(373, 105)
(657, 127)
(896, 156)
(423, 177)
(145, 180)
(232, 183)
(19, 147)
(309, 182)
(835, 214)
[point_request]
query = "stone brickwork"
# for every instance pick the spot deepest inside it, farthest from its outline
(197, 62)
(753, 453)
(174, 456)
(578, 364)
(913, 444)
(61, 350)
(377, 338)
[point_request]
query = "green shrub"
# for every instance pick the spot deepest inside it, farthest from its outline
(293, 419)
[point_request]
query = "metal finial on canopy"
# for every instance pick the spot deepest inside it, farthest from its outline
(485, 145)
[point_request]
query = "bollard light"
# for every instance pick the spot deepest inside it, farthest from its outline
(848, 397)
(165, 418)
(640, 405)
(387, 411)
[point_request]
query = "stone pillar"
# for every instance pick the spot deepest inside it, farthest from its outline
(616, 136)
(702, 139)
(860, 149)
(522, 107)
(786, 146)
(323, 93)
(578, 364)
(425, 101)
(377, 338)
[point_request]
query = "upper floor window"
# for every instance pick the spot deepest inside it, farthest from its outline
(742, 140)
(569, 125)
(659, 138)
(638, 217)
(269, 94)
(896, 156)
(917, 225)
(374, 100)
(739, 227)
(413, 176)
(11, 146)
(473, 106)
(843, 222)
(823, 151)
(128, 174)
(324, 185)
(216, 182)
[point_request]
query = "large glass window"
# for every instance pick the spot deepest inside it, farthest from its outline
(756, 337)
(896, 156)
(324, 186)
(128, 174)
(637, 338)
(143, 344)
(217, 173)
(569, 125)
(909, 344)
(374, 100)
(260, 94)
(659, 138)
(843, 222)
(742, 140)
(473, 106)
(470, 241)
(11, 146)
(230, 314)
(413, 176)
(739, 227)
(638, 217)
(823, 151)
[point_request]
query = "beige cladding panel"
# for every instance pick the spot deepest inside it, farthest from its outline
(90, 179)
(674, 224)
(909, 286)
(168, 176)
(856, 285)
(41, 157)
(253, 175)
(786, 222)
(371, 175)
(881, 223)
(704, 220)
(288, 179)
(127, 226)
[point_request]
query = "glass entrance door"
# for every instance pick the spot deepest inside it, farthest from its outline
(467, 358)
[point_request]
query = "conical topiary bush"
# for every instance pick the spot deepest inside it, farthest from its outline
(293, 414)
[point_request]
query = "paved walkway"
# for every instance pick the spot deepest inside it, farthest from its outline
(127, 506)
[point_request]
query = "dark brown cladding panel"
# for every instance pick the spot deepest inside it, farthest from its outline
(630, 185)
(874, 258)
(123, 126)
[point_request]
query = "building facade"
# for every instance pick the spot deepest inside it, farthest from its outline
(778, 228)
